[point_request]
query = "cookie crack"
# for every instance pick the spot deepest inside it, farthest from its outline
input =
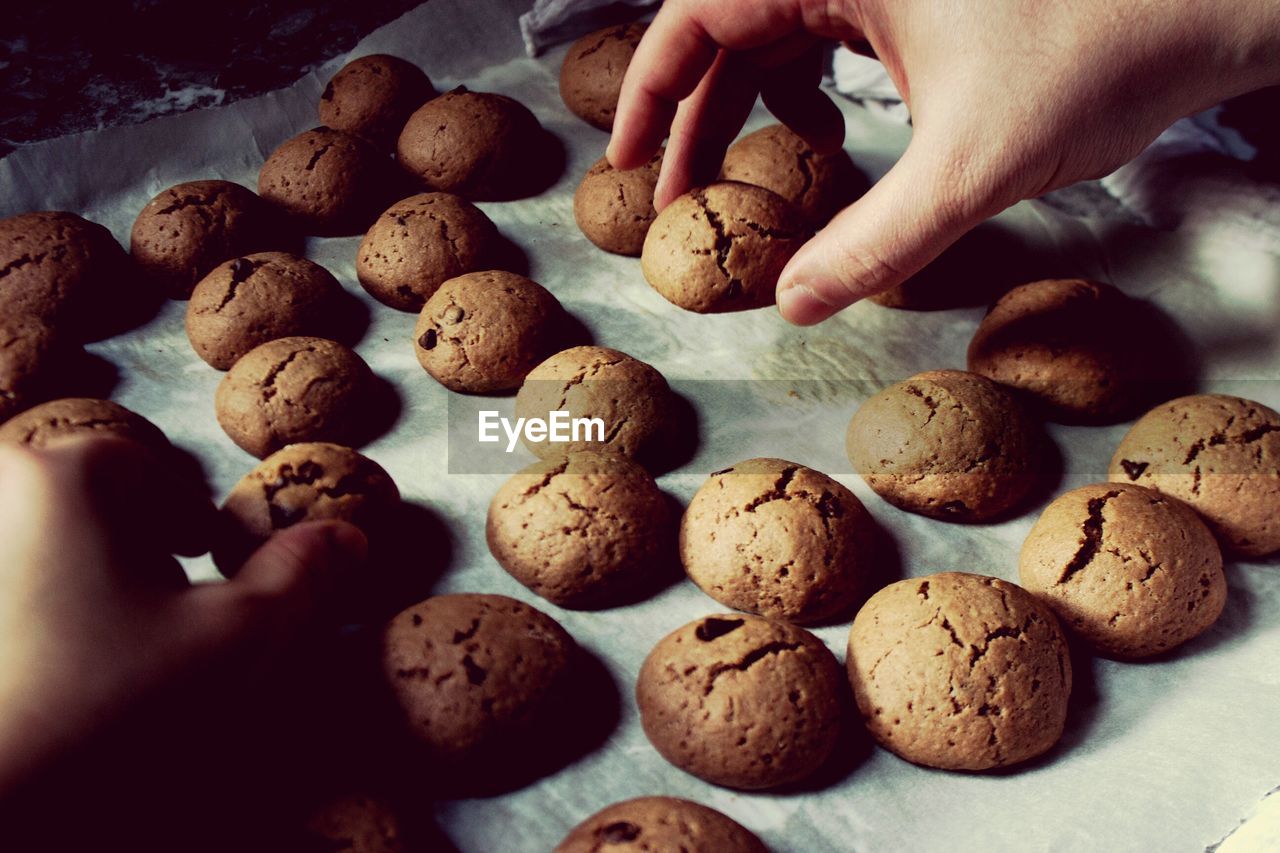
(316, 155)
(723, 243)
(623, 34)
(242, 269)
(748, 660)
(778, 492)
(927, 399)
(1092, 532)
(765, 231)
(804, 162)
(18, 263)
(268, 383)
(546, 479)
(196, 201)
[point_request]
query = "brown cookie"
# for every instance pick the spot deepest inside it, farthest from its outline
(778, 539)
(484, 331)
(309, 481)
(660, 823)
(68, 417)
(190, 228)
(419, 243)
(294, 389)
(742, 701)
(475, 144)
(960, 671)
(327, 181)
(355, 823)
(31, 361)
(248, 301)
(614, 208)
(630, 397)
(776, 158)
(1068, 346)
(472, 674)
(373, 97)
(592, 72)
(946, 444)
(722, 247)
(1218, 453)
(582, 530)
(1130, 570)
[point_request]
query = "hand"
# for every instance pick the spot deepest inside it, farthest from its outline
(1008, 101)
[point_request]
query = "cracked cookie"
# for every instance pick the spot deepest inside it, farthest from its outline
(1132, 571)
(1067, 345)
(484, 331)
(31, 358)
(592, 71)
(660, 823)
(721, 248)
(614, 208)
(68, 417)
(1220, 454)
(779, 539)
(742, 701)
(776, 158)
(354, 822)
(309, 481)
(293, 389)
(960, 671)
(471, 674)
(946, 444)
(419, 243)
(248, 301)
(373, 97)
(328, 182)
(190, 228)
(581, 531)
(630, 397)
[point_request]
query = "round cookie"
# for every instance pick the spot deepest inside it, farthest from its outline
(475, 144)
(778, 539)
(30, 361)
(628, 395)
(960, 671)
(1218, 453)
(293, 389)
(484, 331)
(946, 444)
(776, 158)
(309, 481)
(190, 228)
(55, 420)
(1132, 571)
(327, 181)
(419, 243)
(660, 823)
(373, 97)
(582, 530)
(592, 71)
(614, 208)
(471, 674)
(722, 247)
(248, 301)
(742, 701)
(1068, 345)
(354, 823)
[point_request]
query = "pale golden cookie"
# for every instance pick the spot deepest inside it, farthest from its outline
(653, 824)
(69, 417)
(591, 75)
(778, 159)
(614, 208)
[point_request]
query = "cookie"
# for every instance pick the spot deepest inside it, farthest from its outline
(419, 243)
(190, 228)
(630, 398)
(471, 674)
(373, 97)
(1218, 453)
(293, 389)
(308, 481)
(660, 823)
(592, 71)
(31, 358)
(1132, 571)
(722, 247)
(960, 671)
(1067, 346)
(355, 823)
(582, 530)
(68, 417)
(778, 539)
(614, 208)
(475, 144)
(742, 701)
(327, 182)
(248, 301)
(946, 444)
(484, 331)
(776, 158)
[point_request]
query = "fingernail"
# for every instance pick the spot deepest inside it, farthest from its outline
(801, 305)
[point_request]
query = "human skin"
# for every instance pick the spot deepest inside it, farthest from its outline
(1008, 101)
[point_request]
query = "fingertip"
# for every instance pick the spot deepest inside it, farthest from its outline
(801, 305)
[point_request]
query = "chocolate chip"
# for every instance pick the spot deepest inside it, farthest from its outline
(1133, 469)
(476, 674)
(428, 339)
(713, 628)
(620, 832)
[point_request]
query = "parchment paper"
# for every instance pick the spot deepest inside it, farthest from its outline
(1168, 755)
